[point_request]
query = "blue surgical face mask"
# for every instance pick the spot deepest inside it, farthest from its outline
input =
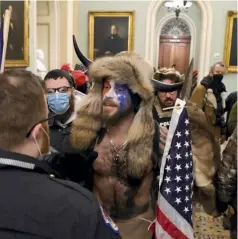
(58, 102)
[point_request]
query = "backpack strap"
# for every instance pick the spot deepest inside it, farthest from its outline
(155, 114)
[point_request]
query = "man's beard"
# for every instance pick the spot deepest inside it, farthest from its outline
(64, 117)
(167, 103)
(112, 119)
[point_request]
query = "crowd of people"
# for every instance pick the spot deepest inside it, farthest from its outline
(80, 152)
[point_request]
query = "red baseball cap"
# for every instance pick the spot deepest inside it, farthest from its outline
(79, 77)
(66, 67)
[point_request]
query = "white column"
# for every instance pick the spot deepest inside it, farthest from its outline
(75, 28)
(70, 26)
(32, 35)
(54, 34)
(66, 31)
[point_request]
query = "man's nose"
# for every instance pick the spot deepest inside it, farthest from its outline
(111, 93)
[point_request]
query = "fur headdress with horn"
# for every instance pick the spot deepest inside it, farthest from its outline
(157, 83)
(134, 71)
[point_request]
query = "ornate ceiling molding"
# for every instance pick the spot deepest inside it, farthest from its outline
(175, 27)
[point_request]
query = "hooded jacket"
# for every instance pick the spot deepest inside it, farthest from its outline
(60, 133)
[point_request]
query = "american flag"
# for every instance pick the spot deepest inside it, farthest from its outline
(4, 30)
(174, 205)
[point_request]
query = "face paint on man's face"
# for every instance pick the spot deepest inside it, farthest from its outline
(123, 96)
(116, 96)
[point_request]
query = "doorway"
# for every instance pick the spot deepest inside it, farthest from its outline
(175, 42)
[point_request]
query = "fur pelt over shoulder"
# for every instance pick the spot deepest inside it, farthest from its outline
(125, 68)
(205, 146)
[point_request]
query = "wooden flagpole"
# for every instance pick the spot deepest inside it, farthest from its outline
(7, 17)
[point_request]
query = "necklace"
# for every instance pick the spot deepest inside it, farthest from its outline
(117, 149)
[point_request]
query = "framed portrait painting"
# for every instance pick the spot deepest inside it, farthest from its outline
(110, 33)
(17, 54)
(230, 47)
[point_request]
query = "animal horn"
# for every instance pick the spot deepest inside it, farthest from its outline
(86, 62)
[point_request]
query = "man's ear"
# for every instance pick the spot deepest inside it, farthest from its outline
(35, 131)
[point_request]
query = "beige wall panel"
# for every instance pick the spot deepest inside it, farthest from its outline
(43, 8)
(43, 42)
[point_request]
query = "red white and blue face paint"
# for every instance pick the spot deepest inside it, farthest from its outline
(116, 97)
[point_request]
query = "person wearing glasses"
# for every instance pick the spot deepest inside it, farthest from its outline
(62, 100)
(35, 202)
(164, 101)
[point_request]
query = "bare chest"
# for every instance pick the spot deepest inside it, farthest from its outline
(122, 195)
(110, 157)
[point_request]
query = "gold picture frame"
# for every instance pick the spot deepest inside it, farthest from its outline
(101, 23)
(20, 57)
(230, 47)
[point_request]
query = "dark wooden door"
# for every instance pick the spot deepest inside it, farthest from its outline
(174, 52)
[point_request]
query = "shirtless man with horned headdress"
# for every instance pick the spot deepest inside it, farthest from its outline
(116, 120)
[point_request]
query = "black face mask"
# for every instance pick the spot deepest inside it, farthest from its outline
(218, 77)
